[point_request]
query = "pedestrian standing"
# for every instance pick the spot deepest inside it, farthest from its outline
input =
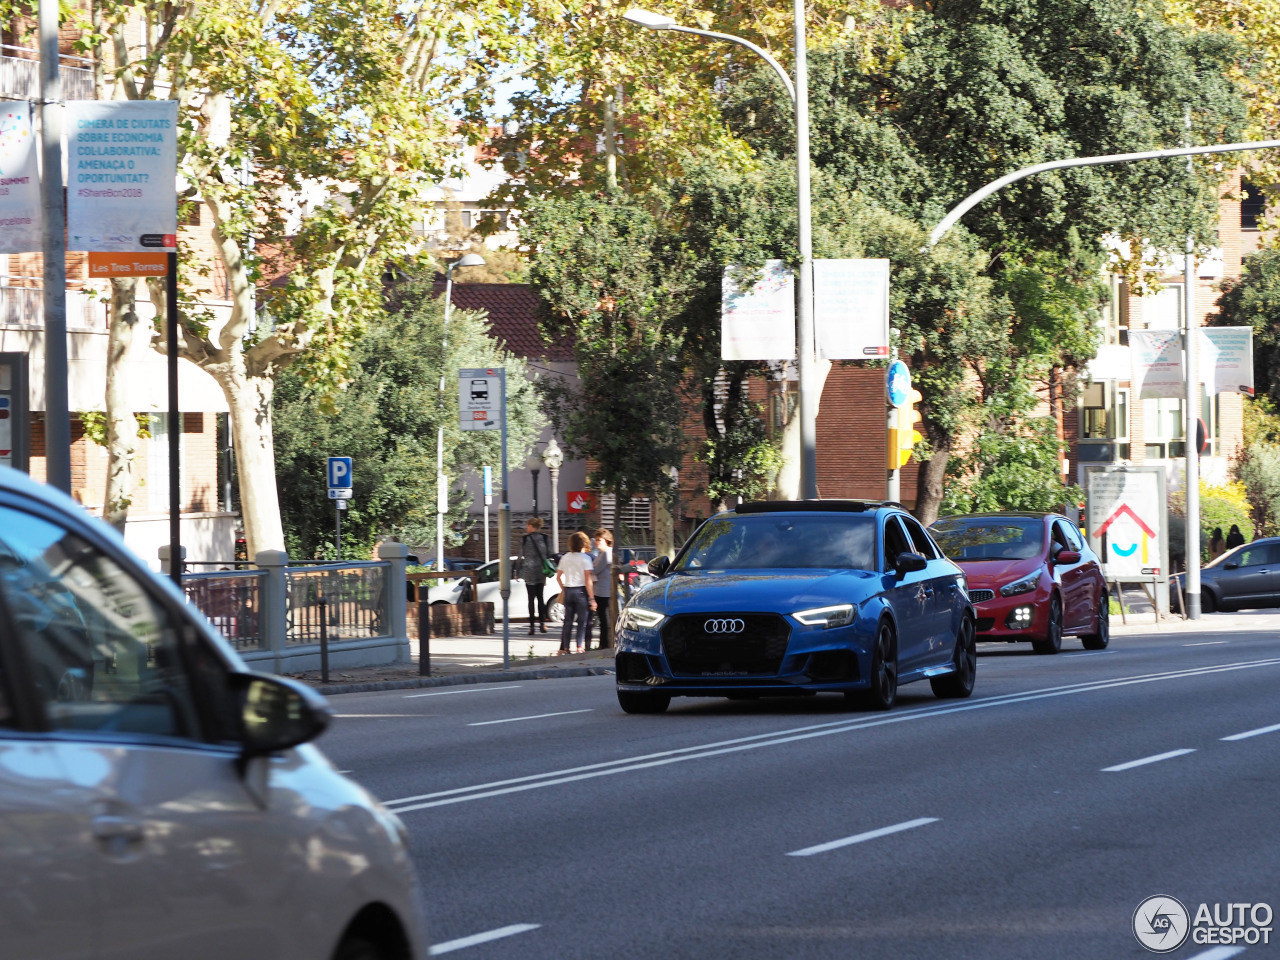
(576, 591)
(1217, 546)
(1234, 537)
(602, 577)
(535, 558)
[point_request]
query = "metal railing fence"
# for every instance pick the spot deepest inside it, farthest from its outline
(232, 602)
(354, 606)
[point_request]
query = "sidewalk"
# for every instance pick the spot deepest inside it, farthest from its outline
(470, 659)
(1143, 621)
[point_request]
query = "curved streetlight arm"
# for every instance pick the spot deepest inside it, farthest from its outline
(758, 51)
(976, 198)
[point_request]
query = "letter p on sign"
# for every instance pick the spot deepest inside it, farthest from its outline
(339, 472)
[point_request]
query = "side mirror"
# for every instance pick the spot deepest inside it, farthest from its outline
(1231, 566)
(1067, 556)
(277, 713)
(909, 563)
(659, 565)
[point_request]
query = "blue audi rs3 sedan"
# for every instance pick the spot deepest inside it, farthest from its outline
(791, 597)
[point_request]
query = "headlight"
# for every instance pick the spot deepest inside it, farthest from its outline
(1025, 585)
(841, 615)
(637, 618)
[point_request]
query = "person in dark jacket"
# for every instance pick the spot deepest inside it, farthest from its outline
(1235, 538)
(535, 552)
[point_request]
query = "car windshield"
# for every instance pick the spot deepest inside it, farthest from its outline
(784, 541)
(990, 538)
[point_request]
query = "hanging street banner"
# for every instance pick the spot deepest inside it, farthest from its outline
(19, 180)
(122, 175)
(1156, 356)
(758, 321)
(851, 309)
(1228, 353)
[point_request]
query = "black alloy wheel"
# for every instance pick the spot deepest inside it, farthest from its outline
(1053, 642)
(958, 685)
(633, 701)
(884, 672)
(1102, 635)
(1207, 602)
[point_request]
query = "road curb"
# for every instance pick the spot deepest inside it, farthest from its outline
(501, 676)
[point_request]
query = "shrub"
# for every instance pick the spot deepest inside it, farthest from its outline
(1220, 506)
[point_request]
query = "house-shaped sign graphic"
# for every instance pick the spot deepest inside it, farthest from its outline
(1124, 549)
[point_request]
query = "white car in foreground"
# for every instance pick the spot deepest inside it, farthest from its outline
(487, 587)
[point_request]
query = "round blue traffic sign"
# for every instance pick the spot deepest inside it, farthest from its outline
(899, 383)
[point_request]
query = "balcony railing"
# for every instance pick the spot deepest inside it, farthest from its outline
(20, 78)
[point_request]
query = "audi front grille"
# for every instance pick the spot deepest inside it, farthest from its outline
(725, 644)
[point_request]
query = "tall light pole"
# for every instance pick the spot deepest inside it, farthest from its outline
(799, 93)
(534, 465)
(466, 260)
(553, 457)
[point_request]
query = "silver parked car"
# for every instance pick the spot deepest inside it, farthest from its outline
(157, 799)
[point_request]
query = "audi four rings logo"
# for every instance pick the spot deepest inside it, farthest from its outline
(724, 626)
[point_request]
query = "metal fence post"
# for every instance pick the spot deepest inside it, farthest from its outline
(275, 604)
(424, 638)
(396, 607)
(324, 639)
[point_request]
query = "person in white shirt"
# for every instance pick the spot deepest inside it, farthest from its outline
(577, 592)
(602, 577)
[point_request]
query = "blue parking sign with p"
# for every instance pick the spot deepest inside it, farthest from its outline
(339, 472)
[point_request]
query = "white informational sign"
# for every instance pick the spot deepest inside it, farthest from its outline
(758, 321)
(1226, 359)
(1126, 522)
(19, 180)
(480, 399)
(851, 309)
(1157, 363)
(122, 175)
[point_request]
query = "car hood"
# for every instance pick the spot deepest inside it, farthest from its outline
(996, 573)
(764, 591)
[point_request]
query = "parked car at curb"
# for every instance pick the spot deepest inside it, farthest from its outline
(1032, 578)
(157, 798)
(487, 588)
(792, 597)
(1244, 577)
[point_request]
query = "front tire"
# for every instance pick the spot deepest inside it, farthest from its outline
(1099, 639)
(1207, 603)
(1053, 642)
(632, 701)
(884, 672)
(958, 685)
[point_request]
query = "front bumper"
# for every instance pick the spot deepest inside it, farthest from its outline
(1003, 618)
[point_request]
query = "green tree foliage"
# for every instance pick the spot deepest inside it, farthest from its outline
(386, 421)
(1220, 507)
(1258, 466)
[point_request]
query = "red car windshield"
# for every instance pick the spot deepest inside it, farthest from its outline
(990, 538)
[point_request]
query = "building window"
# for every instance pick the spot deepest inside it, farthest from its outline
(1253, 205)
(158, 463)
(1164, 431)
(637, 518)
(1105, 415)
(1163, 310)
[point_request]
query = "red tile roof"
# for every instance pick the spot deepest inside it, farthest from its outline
(512, 310)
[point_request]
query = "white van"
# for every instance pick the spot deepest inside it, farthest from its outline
(158, 800)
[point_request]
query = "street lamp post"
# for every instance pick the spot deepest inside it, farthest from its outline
(466, 260)
(799, 93)
(534, 464)
(553, 457)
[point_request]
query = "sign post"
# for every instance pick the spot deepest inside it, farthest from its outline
(488, 499)
(338, 477)
(482, 405)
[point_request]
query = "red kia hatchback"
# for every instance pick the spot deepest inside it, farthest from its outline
(1031, 577)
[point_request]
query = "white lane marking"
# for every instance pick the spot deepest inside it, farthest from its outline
(536, 716)
(1253, 733)
(477, 938)
(1145, 760)
(377, 716)
(1206, 643)
(779, 737)
(449, 693)
(860, 837)
(1218, 953)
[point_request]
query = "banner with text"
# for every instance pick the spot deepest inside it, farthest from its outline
(1156, 356)
(1228, 352)
(122, 175)
(19, 181)
(758, 313)
(851, 309)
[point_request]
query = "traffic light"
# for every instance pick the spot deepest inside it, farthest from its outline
(907, 434)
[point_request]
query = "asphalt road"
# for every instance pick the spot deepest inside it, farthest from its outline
(1029, 821)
